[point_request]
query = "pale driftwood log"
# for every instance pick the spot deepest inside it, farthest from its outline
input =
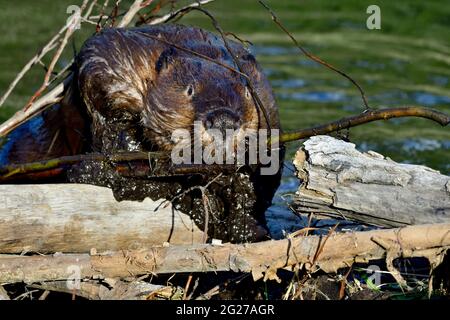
(262, 259)
(77, 218)
(341, 182)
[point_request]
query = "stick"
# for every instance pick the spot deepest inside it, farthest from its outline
(69, 32)
(366, 117)
(52, 97)
(313, 57)
(47, 48)
(132, 11)
(174, 14)
(341, 250)
(9, 171)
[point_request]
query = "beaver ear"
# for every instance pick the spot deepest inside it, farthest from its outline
(165, 58)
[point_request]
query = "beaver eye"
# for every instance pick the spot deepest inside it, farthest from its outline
(190, 91)
(248, 95)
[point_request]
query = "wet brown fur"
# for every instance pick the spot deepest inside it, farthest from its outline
(131, 70)
(130, 91)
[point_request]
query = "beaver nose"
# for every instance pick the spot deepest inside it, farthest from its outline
(222, 119)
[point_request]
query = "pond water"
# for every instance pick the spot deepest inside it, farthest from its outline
(301, 93)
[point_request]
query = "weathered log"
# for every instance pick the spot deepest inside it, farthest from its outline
(121, 290)
(341, 182)
(77, 218)
(262, 259)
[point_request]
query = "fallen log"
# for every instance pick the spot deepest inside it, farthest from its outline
(341, 182)
(262, 259)
(135, 290)
(77, 218)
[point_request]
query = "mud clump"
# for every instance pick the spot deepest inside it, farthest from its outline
(236, 201)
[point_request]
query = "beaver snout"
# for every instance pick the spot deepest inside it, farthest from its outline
(222, 119)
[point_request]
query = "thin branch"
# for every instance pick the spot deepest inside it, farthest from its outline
(11, 170)
(47, 48)
(52, 97)
(101, 16)
(69, 32)
(244, 42)
(322, 245)
(62, 72)
(186, 287)
(115, 13)
(174, 14)
(366, 117)
(132, 11)
(313, 57)
(205, 201)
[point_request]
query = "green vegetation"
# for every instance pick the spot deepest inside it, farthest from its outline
(406, 62)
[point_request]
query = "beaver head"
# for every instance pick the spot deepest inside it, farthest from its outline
(188, 89)
(171, 77)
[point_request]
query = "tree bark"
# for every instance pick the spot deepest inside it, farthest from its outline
(263, 259)
(341, 182)
(76, 218)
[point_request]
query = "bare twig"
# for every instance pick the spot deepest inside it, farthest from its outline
(132, 11)
(366, 117)
(69, 32)
(62, 71)
(52, 97)
(205, 201)
(46, 49)
(245, 42)
(322, 246)
(344, 283)
(383, 114)
(115, 13)
(174, 14)
(27, 168)
(313, 57)
(101, 15)
(186, 288)
(44, 295)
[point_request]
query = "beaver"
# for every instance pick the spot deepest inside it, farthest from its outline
(131, 89)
